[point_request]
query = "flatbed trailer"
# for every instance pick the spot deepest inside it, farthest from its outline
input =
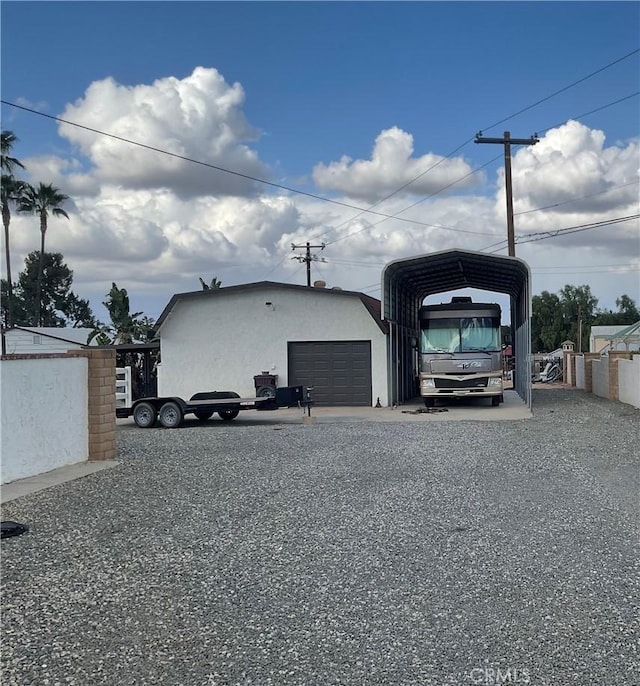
(171, 410)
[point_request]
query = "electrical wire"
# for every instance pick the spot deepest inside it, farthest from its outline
(554, 233)
(435, 226)
(562, 90)
(584, 197)
(361, 210)
(208, 165)
(488, 128)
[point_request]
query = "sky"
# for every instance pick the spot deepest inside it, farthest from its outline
(346, 124)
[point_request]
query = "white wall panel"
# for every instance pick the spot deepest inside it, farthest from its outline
(44, 415)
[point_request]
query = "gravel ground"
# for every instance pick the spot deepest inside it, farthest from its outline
(440, 554)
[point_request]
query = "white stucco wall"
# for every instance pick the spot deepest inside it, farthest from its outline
(579, 371)
(43, 415)
(600, 377)
(220, 343)
(629, 381)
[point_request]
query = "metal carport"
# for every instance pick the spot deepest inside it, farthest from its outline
(407, 282)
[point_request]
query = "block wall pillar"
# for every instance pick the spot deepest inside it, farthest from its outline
(102, 402)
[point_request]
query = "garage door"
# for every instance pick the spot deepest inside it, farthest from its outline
(339, 371)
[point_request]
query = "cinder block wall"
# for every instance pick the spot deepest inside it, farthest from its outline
(588, 371)
(102, 402)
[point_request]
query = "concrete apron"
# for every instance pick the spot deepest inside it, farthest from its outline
(33, 484)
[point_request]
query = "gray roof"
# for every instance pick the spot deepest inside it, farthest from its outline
(606, 331)
(371, 304)
(69, 335)
(449, 270)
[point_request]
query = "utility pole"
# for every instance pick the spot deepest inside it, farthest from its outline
(579, 328)
(308, 257)
(507, 141)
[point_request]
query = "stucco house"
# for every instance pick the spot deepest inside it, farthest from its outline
(34, 340)
(220, 339)
(617, 337)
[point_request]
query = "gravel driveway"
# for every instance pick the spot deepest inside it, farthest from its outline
(355, 553)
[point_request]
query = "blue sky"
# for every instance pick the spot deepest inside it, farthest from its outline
(321, 81)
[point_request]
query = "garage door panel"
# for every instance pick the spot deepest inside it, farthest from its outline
(339, 371)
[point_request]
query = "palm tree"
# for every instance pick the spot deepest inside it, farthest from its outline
(213, 285)
(41, 201)
(8, 163)
(10, 189)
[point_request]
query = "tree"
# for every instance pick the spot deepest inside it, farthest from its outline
(571, 314)
(627, 313)
(11, 190)
(125, 327)
(213, 285)
(41, 201)
(547, 323)
(578, 309)
(8, 163)
(60, 305)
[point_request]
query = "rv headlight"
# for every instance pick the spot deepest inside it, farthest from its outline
(428, 383)
(495, 381)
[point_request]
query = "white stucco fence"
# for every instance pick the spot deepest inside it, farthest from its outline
(44, 415)
(629, 381)
(579, 372)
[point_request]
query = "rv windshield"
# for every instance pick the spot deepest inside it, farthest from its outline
(468, 334)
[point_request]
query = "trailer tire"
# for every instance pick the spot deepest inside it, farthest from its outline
(170, 415)
(144, 415)
(204, 415)
(266, 392)
(228, 415)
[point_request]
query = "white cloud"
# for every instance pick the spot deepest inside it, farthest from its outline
(580, 181)
(571, 164)
(40, 105)
(198, 117)
(154, 224)
(391, 166)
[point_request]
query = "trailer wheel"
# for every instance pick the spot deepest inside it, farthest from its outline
(203, 415)
(144, 415)
(228, 415)
(170, 415)
(266, 392)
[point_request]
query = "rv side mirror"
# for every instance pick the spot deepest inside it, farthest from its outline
(414, 342)
(507, 339)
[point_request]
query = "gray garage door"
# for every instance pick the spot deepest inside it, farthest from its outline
(339, 371)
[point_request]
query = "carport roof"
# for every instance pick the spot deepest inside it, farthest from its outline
(453, 269)
(372, 305)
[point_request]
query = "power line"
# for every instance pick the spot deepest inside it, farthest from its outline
(598, 109)
(360, 210)
(487, 128)
(562, 90)
(435, 226)
(554, 233)
(208, 165)
(581, 266)
(584, 197)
